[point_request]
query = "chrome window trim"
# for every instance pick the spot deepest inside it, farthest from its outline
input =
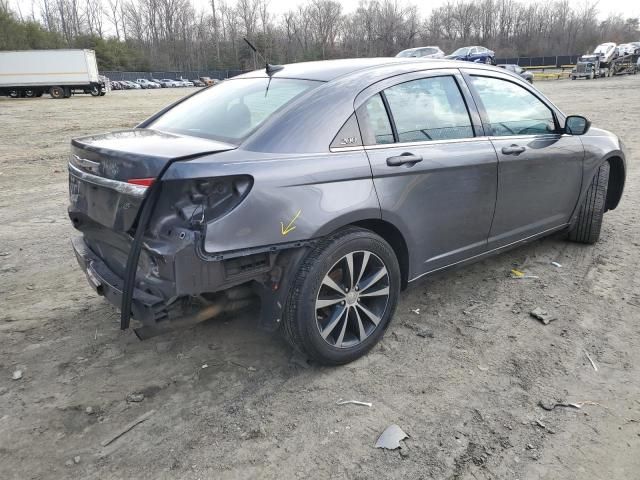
(527, 136)
(424, 143)
(346, 149)
(447, 141)
(410, 144)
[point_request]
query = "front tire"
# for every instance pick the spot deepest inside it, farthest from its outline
(343, 297)
(589, 223)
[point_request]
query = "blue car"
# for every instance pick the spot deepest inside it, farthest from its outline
(474, 54)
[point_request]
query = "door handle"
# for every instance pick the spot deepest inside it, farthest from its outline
(513, 150)
(404, 158)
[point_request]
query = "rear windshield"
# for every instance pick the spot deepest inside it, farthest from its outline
(233, 109)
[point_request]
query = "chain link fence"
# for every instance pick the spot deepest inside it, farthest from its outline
(190, 74)
(555, 61)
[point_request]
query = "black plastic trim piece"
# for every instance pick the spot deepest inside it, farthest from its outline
(134, 254)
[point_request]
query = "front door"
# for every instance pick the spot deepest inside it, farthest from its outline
(539, 168)
(435, 179)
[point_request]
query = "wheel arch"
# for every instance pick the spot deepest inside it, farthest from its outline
(617, 175)
(393, 237)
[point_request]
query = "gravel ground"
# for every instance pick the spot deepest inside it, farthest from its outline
(463, 368)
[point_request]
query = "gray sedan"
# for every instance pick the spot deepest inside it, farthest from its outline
(323, 189)
(518, 70)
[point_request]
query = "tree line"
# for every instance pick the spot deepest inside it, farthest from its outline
(139, 35)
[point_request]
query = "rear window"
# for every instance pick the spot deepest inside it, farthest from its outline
(233, 109)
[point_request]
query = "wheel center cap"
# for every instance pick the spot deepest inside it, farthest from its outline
(352, 297)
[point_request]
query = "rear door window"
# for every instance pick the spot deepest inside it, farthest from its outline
(376, 125)
(512, 109)
(429, 109)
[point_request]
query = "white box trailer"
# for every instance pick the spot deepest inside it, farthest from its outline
(31, 73)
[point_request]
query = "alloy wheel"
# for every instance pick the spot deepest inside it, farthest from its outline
(352, 299)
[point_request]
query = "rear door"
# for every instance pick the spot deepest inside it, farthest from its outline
(434, 172)
(539, 167)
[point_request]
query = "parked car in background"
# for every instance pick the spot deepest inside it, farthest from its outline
(235, 193)
(473, 54)
(207, 81)
(146, 83)
(162, 83)
(518, 70)
(133, 85)
(422, 52)
(171, 83)
(632, 48)
(197, 83)
(185, 82)
(606, 52)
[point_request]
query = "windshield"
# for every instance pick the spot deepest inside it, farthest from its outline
(407, 53)
(231, 110)
(462, 51)
(418, 52)
(426, 51)
(604, 48)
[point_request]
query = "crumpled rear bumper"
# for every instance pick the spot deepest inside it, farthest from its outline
(145, 307)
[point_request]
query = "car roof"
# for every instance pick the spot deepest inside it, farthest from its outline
(332, 102)
(327, 70)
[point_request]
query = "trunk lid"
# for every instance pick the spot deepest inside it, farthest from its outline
(103, 170)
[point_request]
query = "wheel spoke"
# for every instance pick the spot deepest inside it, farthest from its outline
(328, 281)
(337, 315)
(344, 329)
(376, 293)
(361, 330)
(327, 302)
(370, 281)
(365, 261)
(349, 258)
(372, 316)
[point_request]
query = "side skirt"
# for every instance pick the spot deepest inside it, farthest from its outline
(495, 251)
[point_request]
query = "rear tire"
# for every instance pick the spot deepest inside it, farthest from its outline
(589, 223)
(336, 326)
(56, 92)
(95, 91)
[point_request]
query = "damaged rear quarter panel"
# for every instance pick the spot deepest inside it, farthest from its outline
(293, 198)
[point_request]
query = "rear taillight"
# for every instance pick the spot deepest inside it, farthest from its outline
(143, 182)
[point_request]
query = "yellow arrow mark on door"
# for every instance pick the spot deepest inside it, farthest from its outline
(291, 226)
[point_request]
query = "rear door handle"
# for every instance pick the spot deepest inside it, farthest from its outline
(404, 158)
(513, 150)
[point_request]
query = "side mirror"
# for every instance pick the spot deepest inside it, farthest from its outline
(576, 125)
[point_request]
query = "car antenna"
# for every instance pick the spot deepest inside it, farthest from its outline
(270, 69)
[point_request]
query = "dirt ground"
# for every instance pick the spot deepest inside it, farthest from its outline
(463, 368)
